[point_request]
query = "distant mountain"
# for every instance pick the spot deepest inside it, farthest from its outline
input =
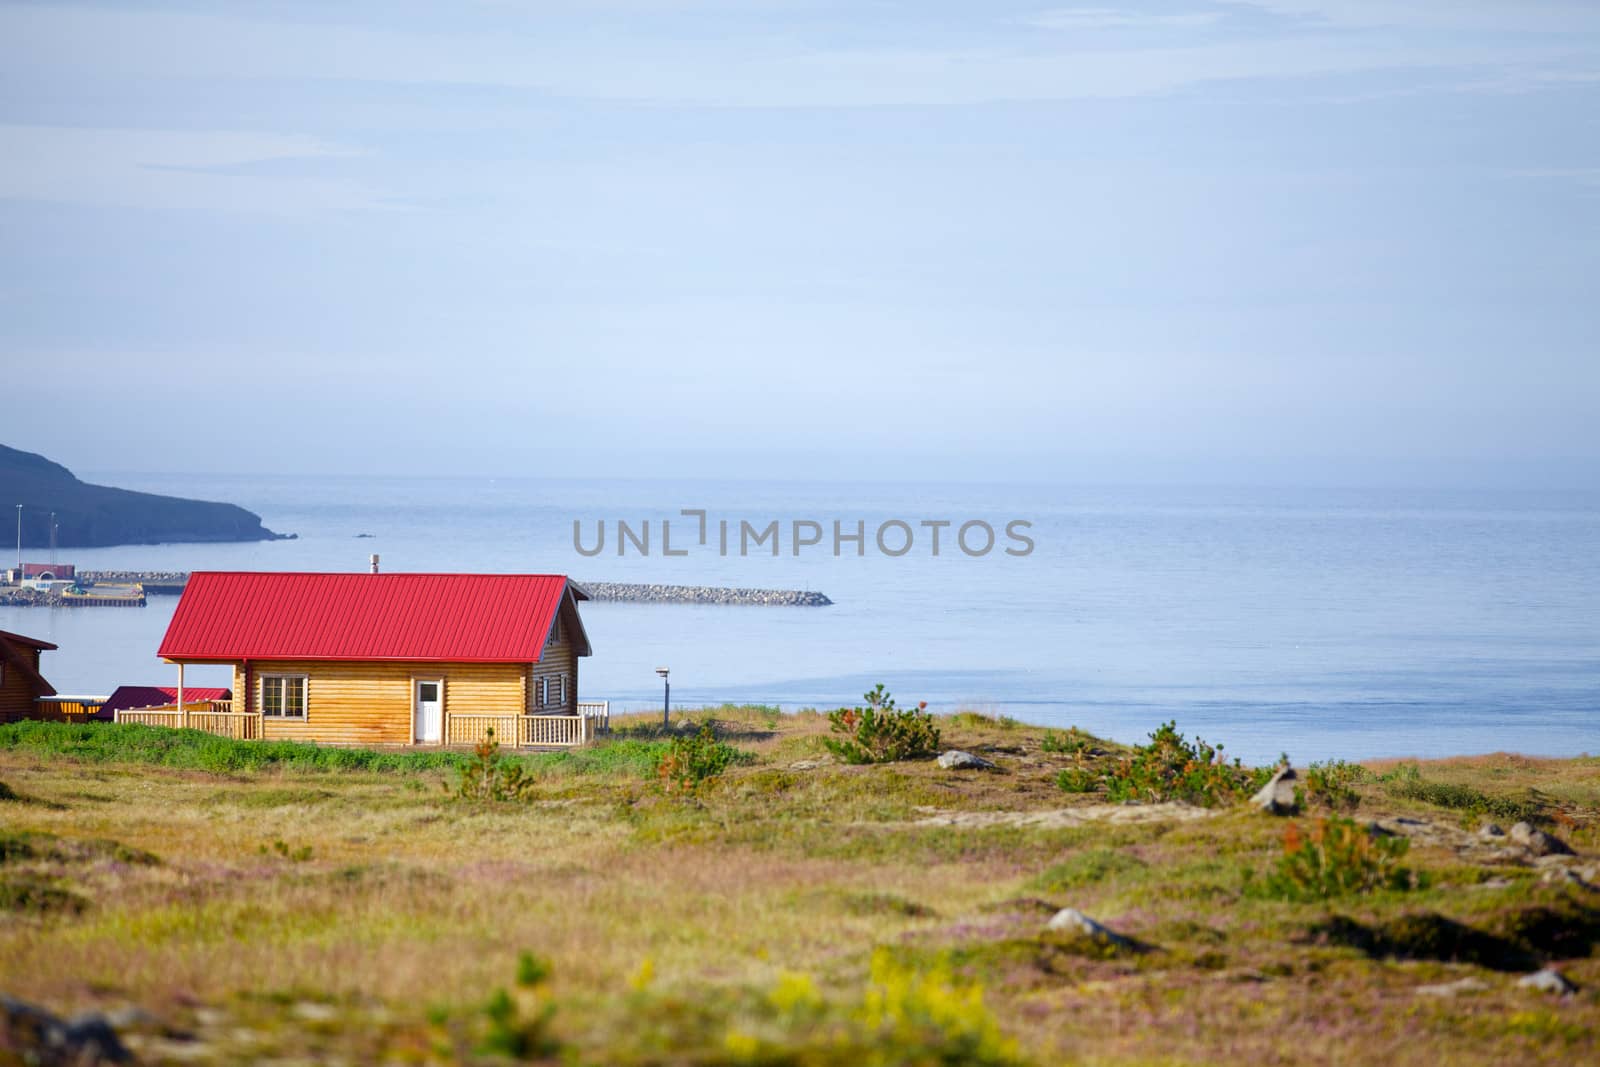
(89, 516)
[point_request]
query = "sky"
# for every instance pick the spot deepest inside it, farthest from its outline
(1346, 242)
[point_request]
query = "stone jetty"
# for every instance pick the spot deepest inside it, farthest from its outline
(703, 594)
(161, 582)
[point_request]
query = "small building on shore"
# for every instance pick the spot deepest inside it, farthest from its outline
(21, 684)
(49, 572)
(383, 659)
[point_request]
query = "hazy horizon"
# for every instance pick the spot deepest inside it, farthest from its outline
(1190, 242)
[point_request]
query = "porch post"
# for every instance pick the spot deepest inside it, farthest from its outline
(183, 713)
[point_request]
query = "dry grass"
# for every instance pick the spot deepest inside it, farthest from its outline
(403, 900)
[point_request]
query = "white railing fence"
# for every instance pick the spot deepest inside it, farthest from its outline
(470, 729)
(211, 716)
(564, 731)
(597, 712)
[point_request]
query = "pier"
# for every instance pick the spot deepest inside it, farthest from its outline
(171, 583)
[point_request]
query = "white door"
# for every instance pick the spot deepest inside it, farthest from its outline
(428, 711)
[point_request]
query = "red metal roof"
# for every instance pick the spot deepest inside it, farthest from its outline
(149, 696)
(485, 618)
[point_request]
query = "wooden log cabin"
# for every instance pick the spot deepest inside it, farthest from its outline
(21, 684)
(383, 659)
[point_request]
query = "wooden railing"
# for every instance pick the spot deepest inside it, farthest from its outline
(212, 716)
(469, 729)
(150, 716)
(565, 731)
(598, 713)
(235, 725)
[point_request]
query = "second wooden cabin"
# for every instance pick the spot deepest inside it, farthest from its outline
(383, 659)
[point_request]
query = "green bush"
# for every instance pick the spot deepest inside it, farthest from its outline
(880, 732)
(1072, 742)
(1332, 784)
(688, 761)
(1078, 780)
(1336, 858)
(1171, 767)
(490, 778)
(1405, 782)
(519, 1021)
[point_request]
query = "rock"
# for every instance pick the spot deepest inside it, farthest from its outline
(1490, 831)
(84, 1041)
(1450, 989)
(1538, 842)
(1566, 876)
(1548, 980)
(805, 764)
(956, 760)
(1073, 921)
(1277, 796)
(312, 1011)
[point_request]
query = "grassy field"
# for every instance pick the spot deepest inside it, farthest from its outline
(317, 905)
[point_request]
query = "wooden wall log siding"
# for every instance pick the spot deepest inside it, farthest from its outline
(17, 690)
(557, 660)
(370, 703)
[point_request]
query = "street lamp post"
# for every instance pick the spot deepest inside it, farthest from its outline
(19, 542)
(666, 695)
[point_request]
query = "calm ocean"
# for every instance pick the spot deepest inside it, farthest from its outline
(1325, 623)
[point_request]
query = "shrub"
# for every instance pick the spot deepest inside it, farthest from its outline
(519, 1021)
(688, 761)
(1071, 742)
(931, 1017)
(1337, 857)
(490, 778)
(1406, 783)
(1331, 784)
(880, 732)
(1078, 780)
(1171, 767)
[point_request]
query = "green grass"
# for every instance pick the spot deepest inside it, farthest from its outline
(1090, 867)
(198, 751)
(287, 911)
(1405, 782)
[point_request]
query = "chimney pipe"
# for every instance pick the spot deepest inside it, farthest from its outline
(374, 563)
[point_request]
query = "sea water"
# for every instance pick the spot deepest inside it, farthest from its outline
(1324, 623)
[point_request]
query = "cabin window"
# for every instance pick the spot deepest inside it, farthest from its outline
(555, 631)
(557, 693)
(283, 696)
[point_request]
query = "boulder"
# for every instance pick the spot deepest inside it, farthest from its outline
(957, 760)
(1548, 980)
(1450, 989)
(83, 1041)
(1277, 797)
(1538, 842)
(1073, 921)
(1491, 831)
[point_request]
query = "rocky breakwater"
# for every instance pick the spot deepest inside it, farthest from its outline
(702, 594)
(159, 582)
